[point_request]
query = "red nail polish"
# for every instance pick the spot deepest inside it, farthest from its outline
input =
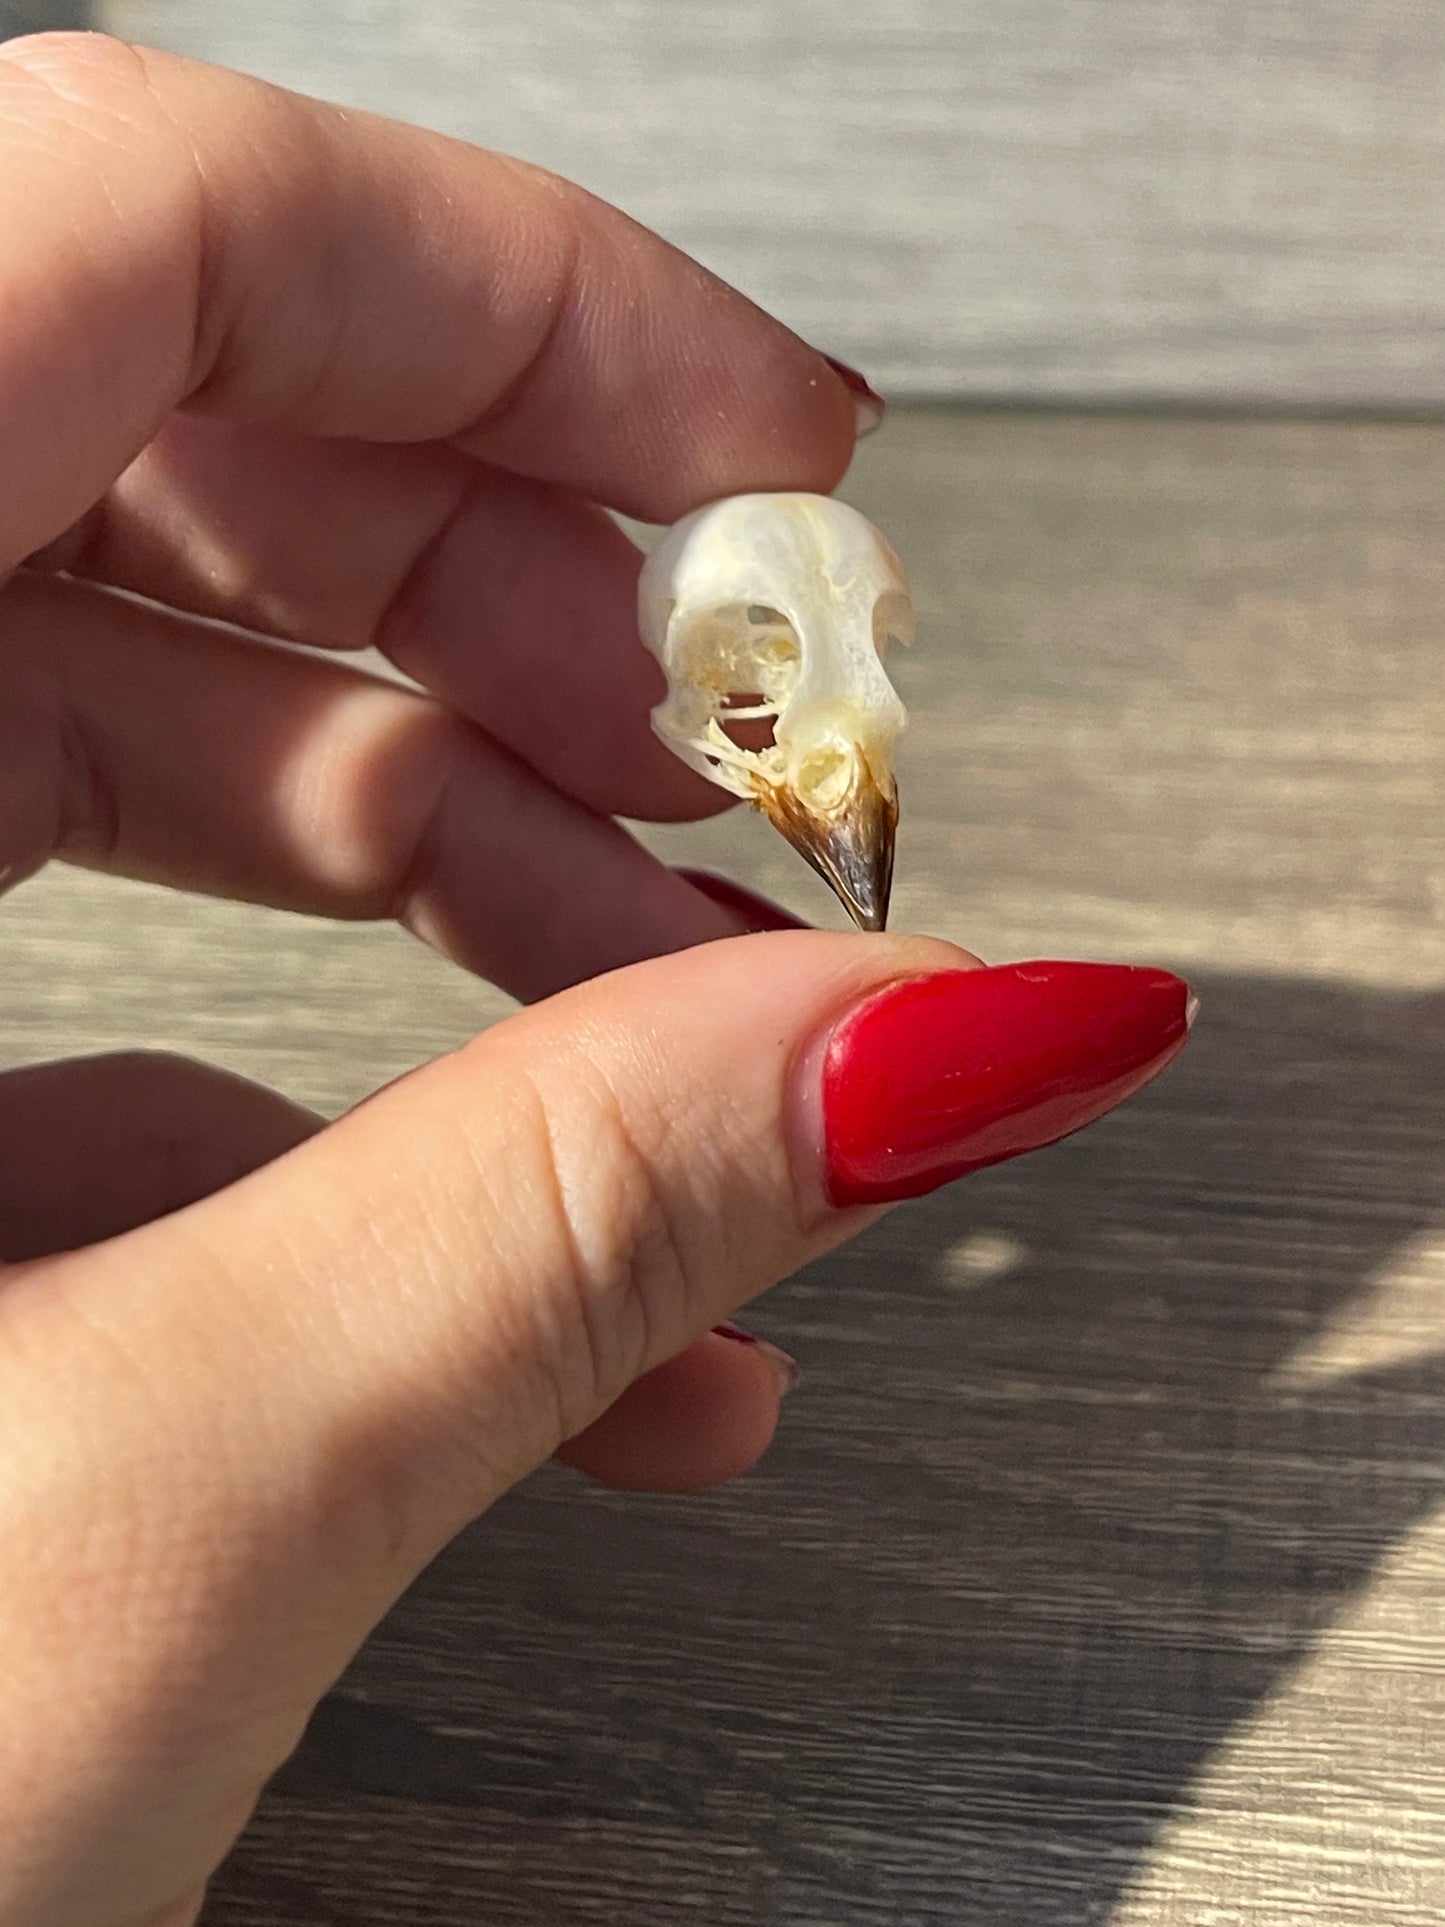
(785, 1367)
(870, 404)
(756, 912)
(944, 1075)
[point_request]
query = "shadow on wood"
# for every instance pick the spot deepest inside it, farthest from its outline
(1086, 1464)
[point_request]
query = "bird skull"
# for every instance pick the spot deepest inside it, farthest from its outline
(777, 609)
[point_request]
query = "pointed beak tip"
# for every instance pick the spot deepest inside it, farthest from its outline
(851, 849)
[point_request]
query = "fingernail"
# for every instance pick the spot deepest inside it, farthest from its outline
(869, 404)
(943, 1075)
(789, 1371)
(758, 913)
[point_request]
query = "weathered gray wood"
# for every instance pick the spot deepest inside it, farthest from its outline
(43, 16)
(1098, 1574)
(1198, 199)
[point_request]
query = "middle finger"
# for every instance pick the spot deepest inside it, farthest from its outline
(157, 748)
(511, 601)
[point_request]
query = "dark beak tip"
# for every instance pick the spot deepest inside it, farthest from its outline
(853, 852)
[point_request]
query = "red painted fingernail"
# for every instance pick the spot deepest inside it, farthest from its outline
(756, 912)
(789, 1371)
(869, 404)
(931, 1079)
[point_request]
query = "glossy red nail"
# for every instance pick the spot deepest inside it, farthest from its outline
(946, 1074)
(870, 405)
(758, 913)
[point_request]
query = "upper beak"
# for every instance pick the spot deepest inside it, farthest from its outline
(850, 847)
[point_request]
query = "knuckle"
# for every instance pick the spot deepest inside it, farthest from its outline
(627, 1269)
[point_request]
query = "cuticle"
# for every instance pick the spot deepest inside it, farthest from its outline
(807, 1136)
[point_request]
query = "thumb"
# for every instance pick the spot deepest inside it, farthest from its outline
(245, 1428)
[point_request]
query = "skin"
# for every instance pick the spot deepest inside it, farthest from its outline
(288, 372)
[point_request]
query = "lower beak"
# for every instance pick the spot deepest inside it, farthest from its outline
(851, 847)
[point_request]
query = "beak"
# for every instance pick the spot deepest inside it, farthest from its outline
(851, 847)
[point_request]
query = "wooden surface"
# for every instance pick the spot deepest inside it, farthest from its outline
(1098, 1573)
(43, 16)
(1197, 199)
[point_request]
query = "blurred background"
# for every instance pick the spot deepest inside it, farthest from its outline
(1198, 201)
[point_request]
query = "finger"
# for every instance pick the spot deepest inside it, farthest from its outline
(301, 1387)
(512, 602)
(171, 233)
(702, 1418)
(92, 1147)
(98, 1145)
(132, 741)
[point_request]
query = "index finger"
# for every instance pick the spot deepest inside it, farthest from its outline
(172, 233)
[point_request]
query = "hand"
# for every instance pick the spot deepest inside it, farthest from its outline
(341, 383)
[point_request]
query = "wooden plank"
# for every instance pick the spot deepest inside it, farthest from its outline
(1098, 1574)
(1199, 200)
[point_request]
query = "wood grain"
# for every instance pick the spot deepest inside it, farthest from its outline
(1198, 200)
(1099, 1572)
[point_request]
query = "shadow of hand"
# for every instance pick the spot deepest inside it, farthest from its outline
(1092, 1449)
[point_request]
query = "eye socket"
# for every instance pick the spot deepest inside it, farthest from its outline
(892, 623)
(746, 718)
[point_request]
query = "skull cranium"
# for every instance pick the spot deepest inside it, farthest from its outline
(778, 609)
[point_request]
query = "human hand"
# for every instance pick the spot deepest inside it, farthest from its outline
(341, 383)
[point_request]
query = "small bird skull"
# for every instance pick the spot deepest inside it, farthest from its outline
(777, 609)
